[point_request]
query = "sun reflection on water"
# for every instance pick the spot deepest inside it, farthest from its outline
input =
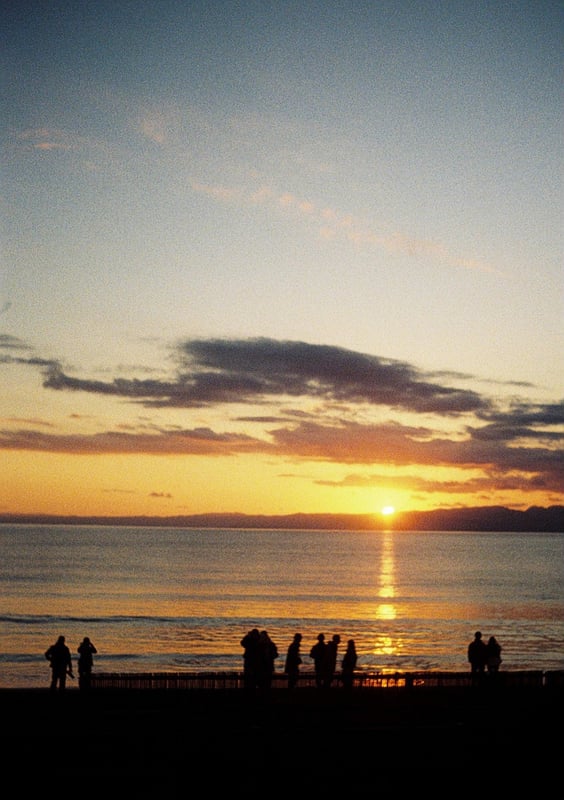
(386, 611)
(386, 645)
(387, 588)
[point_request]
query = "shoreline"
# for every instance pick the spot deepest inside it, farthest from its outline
(374, 737)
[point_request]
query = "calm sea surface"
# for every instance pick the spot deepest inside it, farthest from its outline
(168, 599)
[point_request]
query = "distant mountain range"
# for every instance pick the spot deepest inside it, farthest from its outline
(481, 518)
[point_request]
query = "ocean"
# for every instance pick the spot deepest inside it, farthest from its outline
(160, 599)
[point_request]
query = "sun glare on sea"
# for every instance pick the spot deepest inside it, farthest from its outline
(387, 511)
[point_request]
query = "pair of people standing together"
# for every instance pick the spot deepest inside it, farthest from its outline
(59, 657)
(484, 656)
(260, 653)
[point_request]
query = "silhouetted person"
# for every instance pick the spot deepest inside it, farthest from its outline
(250, 645)
(348, 665)
(317, 652)
(267, 653)
(493, 654)
(293, 661)
(85, 651)
(477, 655)
(330, 660)
(59, 657)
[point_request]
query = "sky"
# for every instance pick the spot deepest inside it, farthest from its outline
(281, 257)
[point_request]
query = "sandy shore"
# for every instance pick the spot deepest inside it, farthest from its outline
(369, 739)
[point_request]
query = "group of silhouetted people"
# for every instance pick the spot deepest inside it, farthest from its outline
(260, 652)
(324, 656)
(60, 660)
(484, 656)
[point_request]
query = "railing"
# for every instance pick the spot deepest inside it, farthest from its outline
(362, 680)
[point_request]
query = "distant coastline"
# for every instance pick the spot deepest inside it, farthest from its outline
(481, 518)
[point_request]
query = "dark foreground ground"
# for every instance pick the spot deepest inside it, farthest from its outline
(428, 742)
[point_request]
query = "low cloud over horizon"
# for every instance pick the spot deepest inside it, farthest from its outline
(312, 403)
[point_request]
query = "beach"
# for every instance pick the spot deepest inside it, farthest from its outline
(175, 600)
(301, 741)
(172, 604)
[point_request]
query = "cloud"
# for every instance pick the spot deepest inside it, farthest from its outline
(171, 128)
(154, 128)
(224, 371)
(321, 404)
(27, 421)
(401, 445)
(521, 420)
(48, 139)
(88, 152)
(197, 441)
(486, 484)
(331, 224)
(8, 342)
(346, 443)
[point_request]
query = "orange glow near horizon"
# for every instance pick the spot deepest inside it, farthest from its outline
(161, 486)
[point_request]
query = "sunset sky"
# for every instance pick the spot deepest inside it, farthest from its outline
(279, 257)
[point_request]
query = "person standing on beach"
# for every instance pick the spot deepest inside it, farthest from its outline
(85, 662)
(348, 665)
(330, 661)
(477, 655)
(59, 657)
(293, 661)
(250, 644)
(317, 652)
(493, 654)
(267, 653)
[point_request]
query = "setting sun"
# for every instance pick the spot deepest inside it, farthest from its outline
(387, 510)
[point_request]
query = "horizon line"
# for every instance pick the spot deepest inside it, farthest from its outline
(467, 518)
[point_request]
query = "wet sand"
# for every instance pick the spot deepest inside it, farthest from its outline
(303, 741)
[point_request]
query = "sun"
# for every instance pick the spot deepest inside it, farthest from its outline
(387, 511)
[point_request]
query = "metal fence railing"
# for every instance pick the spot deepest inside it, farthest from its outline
(362, 680)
